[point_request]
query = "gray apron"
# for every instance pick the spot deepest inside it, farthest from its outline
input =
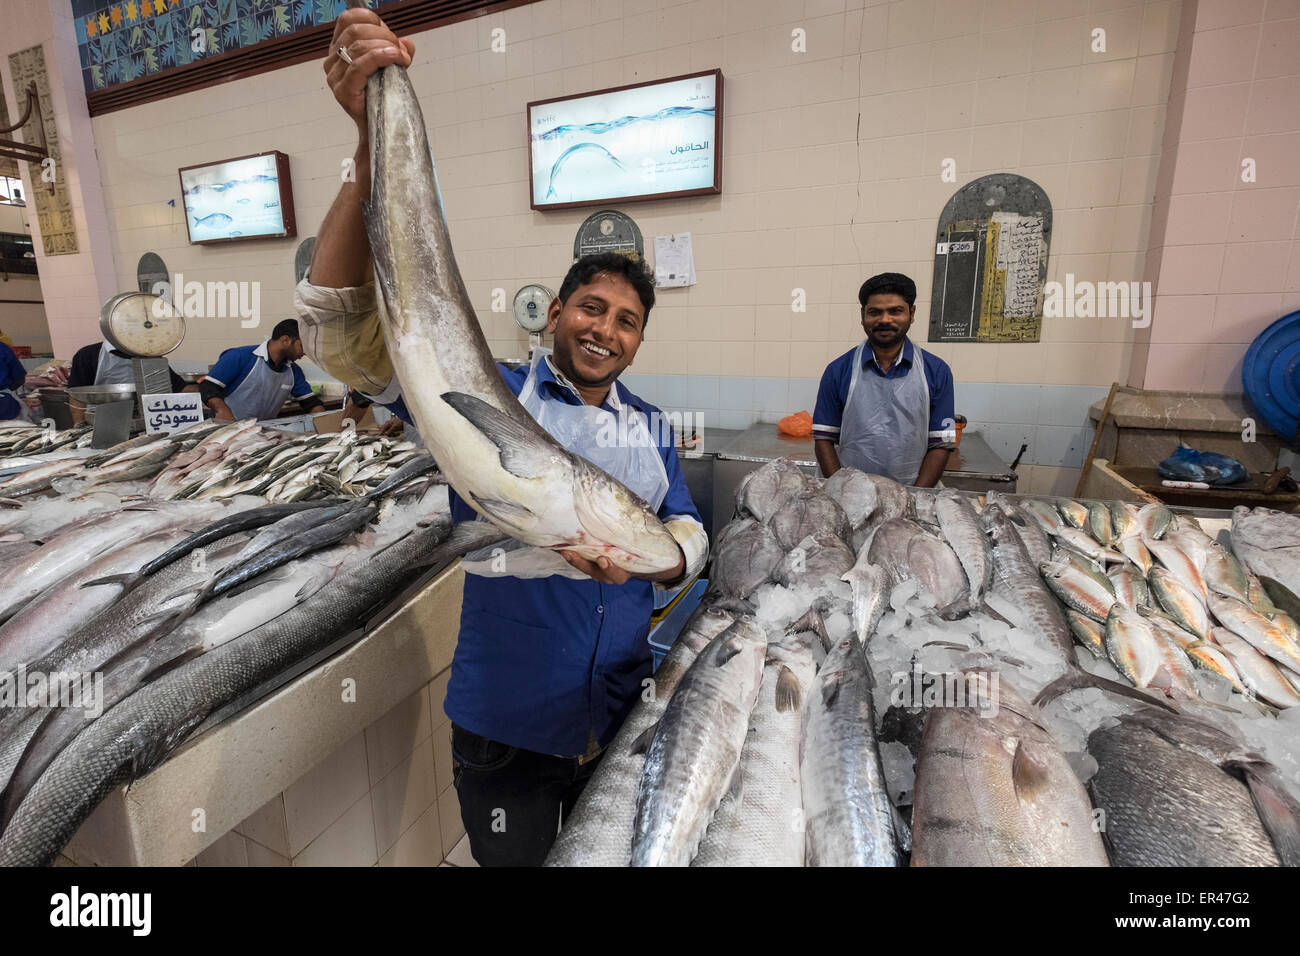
(633, 459)
(113, 369)
(262, 391)
(886, 425)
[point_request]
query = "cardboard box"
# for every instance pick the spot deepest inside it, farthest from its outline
(331, 422)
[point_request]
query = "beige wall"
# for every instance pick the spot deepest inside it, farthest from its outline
(809, 202)
(1225, 255)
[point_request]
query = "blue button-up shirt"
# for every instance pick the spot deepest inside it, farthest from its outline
(548, 664)
(834, 392)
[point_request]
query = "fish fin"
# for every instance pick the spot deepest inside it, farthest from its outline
(521, 452)
(1278, 811)
(126, 580)
(788, 696)
(830, 690)
(727, 650)
(642, 742)
(812, 621)
(505, 512)
(902, 832)
(1028, 776)
(380, 249)
(1077, 679)
(736, 789)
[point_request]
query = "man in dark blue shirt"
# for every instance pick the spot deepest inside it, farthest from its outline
(886, 406)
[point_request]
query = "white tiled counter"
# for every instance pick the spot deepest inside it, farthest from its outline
(306, 777)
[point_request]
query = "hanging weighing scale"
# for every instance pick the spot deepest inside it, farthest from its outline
(531, 303)
(146, 327)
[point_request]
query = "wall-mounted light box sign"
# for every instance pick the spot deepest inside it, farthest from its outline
(654, 140)
(248, 197)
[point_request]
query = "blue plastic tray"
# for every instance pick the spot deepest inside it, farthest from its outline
(1269, 375)
(665, 632)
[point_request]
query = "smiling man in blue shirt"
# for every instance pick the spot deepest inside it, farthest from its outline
(886, 406)
(552, 652)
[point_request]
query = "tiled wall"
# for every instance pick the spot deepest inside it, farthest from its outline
(831, 168)
(384, 797)
(1226, 253)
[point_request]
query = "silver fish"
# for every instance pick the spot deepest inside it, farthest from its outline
(960, 526)
(847, 811)
(763, 826)
(499, 460)
(598, 832)
(693, 756)
(993, 788)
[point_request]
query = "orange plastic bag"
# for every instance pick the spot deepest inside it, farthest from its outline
(798, 425)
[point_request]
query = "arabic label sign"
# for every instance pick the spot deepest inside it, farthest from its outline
(990, 262)
(171, 412)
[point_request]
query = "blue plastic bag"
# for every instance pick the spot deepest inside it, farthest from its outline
(1188, 464)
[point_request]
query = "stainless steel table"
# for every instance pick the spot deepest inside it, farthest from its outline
(698, 469)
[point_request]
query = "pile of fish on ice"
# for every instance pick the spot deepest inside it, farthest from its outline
(877, 676)
(123, 628)
(212, 460)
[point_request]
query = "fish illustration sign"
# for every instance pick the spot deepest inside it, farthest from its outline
(248, 197)
(644, 141)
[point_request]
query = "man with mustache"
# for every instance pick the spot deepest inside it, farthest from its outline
(886, 406)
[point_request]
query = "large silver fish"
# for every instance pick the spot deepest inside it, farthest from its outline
(994, 789)
(693, 757)
(1177, 792)
(499, 460)
(140, 732)
(598, 832)
(960, 525)
(763, 824)
(849, 818)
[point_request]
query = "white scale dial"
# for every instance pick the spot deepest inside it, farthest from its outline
(143, 325)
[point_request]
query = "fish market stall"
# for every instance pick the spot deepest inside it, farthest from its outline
(973, 466)
(258, 746)
(942, 678)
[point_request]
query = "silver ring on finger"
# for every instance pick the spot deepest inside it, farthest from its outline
(344, 55)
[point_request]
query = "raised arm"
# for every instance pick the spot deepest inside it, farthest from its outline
(341, 258)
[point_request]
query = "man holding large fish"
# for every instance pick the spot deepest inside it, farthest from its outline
(552, 651)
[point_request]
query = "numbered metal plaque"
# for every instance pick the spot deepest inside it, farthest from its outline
(990, 262)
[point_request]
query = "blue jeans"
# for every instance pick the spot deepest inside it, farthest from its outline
(512, 800)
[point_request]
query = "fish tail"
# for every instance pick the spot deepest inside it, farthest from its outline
(1076, 679)
(1278, 811)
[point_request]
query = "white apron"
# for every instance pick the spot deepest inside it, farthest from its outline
(886, 425)
(113, 369)
(262, 391)
(633, 459)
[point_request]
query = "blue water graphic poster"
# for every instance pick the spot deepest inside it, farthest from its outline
(232, 200)
(646, 141)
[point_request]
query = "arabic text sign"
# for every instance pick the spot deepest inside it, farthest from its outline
(171, 412)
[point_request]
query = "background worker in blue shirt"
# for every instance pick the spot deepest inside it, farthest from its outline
(12, 377)
(886, 406)
(253, 381)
